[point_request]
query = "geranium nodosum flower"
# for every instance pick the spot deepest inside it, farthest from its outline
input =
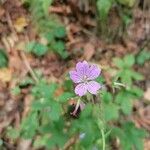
(84, 75)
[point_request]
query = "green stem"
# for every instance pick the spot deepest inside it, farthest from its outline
(103, 138)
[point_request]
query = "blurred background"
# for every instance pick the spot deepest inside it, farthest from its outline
(41, 41)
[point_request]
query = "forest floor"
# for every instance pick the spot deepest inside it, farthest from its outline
(82, 43)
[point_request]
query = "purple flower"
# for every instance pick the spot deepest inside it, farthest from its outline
(83, 75)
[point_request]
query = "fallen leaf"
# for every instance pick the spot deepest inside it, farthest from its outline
(89, 50)
(5, 74)
(2, 11)
(20, 23)
(147, 94)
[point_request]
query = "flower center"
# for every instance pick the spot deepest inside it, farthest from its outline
(85, 79)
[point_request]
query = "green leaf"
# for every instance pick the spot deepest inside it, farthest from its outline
(49, 36)
(3, 59)
(41, 141)
(60, 32)
(45, 90)
(40, 49)
(136, 75)
(100, 79)
(103, 8)
(118, 62)
(125, 99)
(126, 106)
(36, 48)
(46, 4)
(128, 3)
(55, 111)
(130, 136)
(129, 60)
(126, 19)
(16, 91)
(136, 91)
(142, 57)
(111, 112)
(29, 125)
(126, 77)
(65, 97)
(87, 111)
(107, 97)
(59, 47)
(26, 81)
(135, 135)
(68, 85)
(12, 133)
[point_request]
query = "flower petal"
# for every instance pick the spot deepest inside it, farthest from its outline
(81, 89)
(93, 87)
(94, 72)
(75, 77)
(82, 68)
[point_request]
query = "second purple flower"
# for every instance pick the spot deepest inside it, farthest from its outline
(84, 75)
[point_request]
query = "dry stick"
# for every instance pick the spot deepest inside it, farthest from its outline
(71, 142)
(28, 66)
(22, 54)
(10, 24)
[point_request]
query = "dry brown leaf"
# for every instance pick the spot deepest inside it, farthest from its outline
(147, 94)
(5, 75)
(20, 23)
(147, 144)
(2, 11)
(89, 51)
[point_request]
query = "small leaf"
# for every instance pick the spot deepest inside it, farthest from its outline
(142, 57)
(46, 4)
(40, 49)
(5, 75)
(129, 60)
(128, 3)
(107, 97)
(16, 91)
(126, 77)
(3, 59)
(60, 32)
(111, 112)
(36, 48)
(103, 8)
(136, 75)
(55, 111)
(65, 96)
(118, 62)
(12, 133)
(126, 106)
(59, 47)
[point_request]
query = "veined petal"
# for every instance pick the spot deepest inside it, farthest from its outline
(81, 89)
(75, 77)
(94, 72)
(93, 87)
(82, 68)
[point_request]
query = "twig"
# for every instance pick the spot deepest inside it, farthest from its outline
(10, 24)
(28, 66)
(6, 44)
(70, 142)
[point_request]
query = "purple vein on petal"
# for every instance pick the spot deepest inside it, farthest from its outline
(93, 87)
(75, 77)
(81, 89)
(82, 68)
(94, 72)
